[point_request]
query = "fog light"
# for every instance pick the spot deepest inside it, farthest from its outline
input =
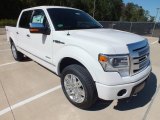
(122, 92)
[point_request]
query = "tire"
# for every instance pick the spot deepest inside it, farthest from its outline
(18, 56)
(76, 78)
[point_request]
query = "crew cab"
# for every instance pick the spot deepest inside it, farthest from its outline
(92, 61)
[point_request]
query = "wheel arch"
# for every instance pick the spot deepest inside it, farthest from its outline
(66, 61)
(83, 58)
(11, 40)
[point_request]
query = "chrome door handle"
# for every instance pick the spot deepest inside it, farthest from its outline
(58, 42)
(28, 35)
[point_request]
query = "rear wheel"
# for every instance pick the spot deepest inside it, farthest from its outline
(78, 86)
(18, 56)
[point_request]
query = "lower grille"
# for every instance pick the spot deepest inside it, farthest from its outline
(139, 56)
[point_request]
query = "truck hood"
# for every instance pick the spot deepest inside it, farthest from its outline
(108, 38)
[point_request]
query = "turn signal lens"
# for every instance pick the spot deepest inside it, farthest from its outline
(103, 58)
(34, 30)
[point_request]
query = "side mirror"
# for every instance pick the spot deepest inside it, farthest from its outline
(39, 28)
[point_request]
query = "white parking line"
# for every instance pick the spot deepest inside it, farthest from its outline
(8, 109)
(7, 64)
(5, 50)
(5, 111)
(154, 42)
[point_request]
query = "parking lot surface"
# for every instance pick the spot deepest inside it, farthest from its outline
(28, 91)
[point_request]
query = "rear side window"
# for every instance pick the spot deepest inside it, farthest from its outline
(25, 19)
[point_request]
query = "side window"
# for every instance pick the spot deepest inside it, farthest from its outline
(39, 17)
(25, 19)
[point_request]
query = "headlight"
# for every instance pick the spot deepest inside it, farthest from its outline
(117, 63)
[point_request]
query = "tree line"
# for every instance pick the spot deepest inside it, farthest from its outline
(102, 10)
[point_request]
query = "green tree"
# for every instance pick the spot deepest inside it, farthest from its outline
(133, 12)
(109, 10)
(105, 10)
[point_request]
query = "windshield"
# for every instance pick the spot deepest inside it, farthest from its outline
(71, 19)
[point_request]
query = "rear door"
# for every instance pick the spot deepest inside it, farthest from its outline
(23, 33)
(41, 44)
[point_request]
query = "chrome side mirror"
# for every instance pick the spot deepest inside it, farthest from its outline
(39, 28)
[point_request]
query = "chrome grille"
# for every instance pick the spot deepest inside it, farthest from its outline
(139, 56)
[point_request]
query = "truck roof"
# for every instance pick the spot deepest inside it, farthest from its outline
(45, 7)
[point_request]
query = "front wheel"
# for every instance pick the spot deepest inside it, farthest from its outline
(18, 56)
(78, 86)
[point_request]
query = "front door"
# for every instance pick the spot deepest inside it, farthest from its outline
(41, 44)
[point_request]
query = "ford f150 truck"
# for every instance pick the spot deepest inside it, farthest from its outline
(93, 62)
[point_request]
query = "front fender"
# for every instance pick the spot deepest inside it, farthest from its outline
(81, 55)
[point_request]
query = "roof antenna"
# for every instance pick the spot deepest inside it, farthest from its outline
(68, 34)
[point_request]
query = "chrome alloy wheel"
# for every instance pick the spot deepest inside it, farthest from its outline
(74, 88)
(14, 51)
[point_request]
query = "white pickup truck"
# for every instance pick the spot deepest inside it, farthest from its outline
(93, 62)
